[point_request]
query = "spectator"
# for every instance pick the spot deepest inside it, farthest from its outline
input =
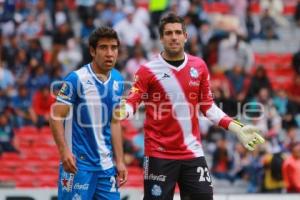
(286, 108)
(265, 115)
(234, 51)
(30, 28)
(273, 180)
(240, 163)
(70, 56)
(138, 34)
(275, 8)
(294, 92)
(4, 100)
(135, 62)
(6, 134)
(22, 108)
(41, 103)
(268, 26)
(297, 14)
(37, 76)
(252, 24)
(221, 161)
(296, 60)
(291, 169)
(7, 80)
(239, 82)
(255, 172)
(35, 51)
(259, 80)
(43, 17)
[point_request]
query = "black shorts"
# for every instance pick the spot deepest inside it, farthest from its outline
(192, 176)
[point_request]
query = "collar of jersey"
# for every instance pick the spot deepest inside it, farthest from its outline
(171, 66)
(95, 76)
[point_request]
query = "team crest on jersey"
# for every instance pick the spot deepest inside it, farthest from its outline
(156, 190)
(76, 197)
(194, 73)
(115, 86)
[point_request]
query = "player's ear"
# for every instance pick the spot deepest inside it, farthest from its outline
(92, 51)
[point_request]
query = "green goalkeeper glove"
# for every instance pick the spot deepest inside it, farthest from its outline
(247, 134)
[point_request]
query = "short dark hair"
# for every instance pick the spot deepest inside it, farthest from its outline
(170, 18)
(102, 32)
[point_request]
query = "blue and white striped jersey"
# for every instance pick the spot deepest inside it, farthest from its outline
(87, 128)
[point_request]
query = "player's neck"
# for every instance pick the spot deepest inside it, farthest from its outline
(101, 74)
(172, 57)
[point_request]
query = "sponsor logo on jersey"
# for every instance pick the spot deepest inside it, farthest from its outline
(165, 76)
(89, 82)
(153, 177)
(78, 186)
(194, 73)
(156, 190)
(194, 83)
(62, 91)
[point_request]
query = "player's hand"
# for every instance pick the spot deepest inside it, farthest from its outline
(120, 111)
(247, 134)
(122, 173)
(68, 161)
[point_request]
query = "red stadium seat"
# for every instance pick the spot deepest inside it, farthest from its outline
(255, 8)
(216, 7)
(27, 129)
(9, 162)
(10, 156)
(6, 174)
(46, 130)
(289, 9)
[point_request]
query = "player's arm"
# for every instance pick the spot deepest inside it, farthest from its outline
(247, 134)
(117, 143)
(59, 113)
(66, 97)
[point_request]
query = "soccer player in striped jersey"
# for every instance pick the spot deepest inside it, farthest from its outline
(174, 88)
(84, 127)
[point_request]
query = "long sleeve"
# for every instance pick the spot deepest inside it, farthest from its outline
(207, 105)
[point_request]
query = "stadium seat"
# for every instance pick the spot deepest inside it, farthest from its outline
(6, 174)
(255, 8)
(216, 7)
(289, 9)
(27, 129)
(46, 130)
(11, 163)
(10, 156)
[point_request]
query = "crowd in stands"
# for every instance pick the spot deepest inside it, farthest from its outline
(42, 41)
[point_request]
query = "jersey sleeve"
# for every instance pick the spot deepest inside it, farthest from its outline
(138, 89)
(207, 105)
(68, 91)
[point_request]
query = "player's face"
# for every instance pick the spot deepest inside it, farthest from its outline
(105, 54)
(173, 39)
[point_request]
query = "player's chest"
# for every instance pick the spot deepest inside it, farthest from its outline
(108, 92)
(173, 82)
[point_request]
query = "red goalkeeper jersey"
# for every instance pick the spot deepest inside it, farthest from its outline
(173, 97)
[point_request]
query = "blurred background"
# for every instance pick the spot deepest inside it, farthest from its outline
(251, 47)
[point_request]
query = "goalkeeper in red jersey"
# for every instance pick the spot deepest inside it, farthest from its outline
(174, 88)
